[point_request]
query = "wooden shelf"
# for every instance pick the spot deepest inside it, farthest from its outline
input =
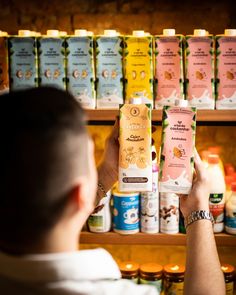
(148, 239)
(202, 115)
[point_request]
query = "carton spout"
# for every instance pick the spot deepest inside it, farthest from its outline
(200, 32)
(169, 32)
(230, 32)
(81, 33)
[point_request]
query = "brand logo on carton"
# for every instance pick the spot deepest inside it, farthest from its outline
(134, 111)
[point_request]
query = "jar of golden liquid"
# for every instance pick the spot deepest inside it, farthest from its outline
(129, 270)
(174, 279)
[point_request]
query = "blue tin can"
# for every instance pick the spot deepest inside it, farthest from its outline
(126, 213)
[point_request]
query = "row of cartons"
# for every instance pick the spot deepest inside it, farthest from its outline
(107, 70)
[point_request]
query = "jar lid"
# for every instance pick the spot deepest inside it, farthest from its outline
(213, 159)
(227, 268)
(128, 267)
(176, 269)
(151, 268)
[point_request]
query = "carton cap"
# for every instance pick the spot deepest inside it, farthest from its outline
(135, 100)
(81, 32)
(169, 32)
(110, 33)
(233, 186)
(3, 34)
(230, 32)
(213, 159)
(53, 33)
(63, 33)
(147, 34)
(200, 32)
(181, 103)
(138, 33)
(24, 33)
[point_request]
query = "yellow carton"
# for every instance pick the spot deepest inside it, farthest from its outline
(138, 67)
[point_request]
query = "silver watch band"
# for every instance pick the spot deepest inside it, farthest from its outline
(198, 215)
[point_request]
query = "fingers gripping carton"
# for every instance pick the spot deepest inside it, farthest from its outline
(135, 161)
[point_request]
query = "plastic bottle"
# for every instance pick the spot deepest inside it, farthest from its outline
(100, 220)
(228, 181)
(230, 212)
(217, 192)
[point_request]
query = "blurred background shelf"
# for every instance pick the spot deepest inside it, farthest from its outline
(202, 115)
(148, 239)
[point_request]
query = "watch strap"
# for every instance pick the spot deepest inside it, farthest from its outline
(198, 215)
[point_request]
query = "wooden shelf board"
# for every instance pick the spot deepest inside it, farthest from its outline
(202, 115)
(148, 239)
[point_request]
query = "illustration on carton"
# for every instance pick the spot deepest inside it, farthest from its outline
(226, 70)
(80, 68)
(169, 75)
(4, 79)
(109, 71)
(135, 162)
(23, 66)
(200, 70)
(51, 54)
(177, 147)
(138, 67)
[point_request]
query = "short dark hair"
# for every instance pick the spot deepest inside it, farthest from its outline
(39, 145)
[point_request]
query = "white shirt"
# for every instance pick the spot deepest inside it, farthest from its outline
(87, 272)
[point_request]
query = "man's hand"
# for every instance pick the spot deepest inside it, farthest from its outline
(198, 199)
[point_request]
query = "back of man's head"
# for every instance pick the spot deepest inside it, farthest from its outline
(43, 146)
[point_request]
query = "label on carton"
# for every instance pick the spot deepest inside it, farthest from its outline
(199, 63)
(109, 72)
(80, 70)
(226, 72)
(135, 163)
(4, 80)
(51, 52)
(138, 69)
(22, 62)
(178, 141)
(168, 70)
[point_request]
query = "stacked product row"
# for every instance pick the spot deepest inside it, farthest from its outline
(153, 212)
(107, 70)
(168, 280)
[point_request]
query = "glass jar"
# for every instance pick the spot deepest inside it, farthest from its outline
(151, 274)
(174, 279)
(228, 271)
(129, 270)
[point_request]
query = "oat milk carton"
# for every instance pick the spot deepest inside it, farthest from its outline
(51, 54)
(23, 63)
(169, 75)
(177, 148)
(226, 70)
(135, 159)
(80, 68)
(138, 67)
(4, 79)
(109, 71)
(199, 69)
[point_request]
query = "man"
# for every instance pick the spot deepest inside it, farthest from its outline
(48, 189)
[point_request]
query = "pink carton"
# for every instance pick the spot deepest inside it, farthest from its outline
(199, 70)
(226, 70)
(176, 156)
(169, 76)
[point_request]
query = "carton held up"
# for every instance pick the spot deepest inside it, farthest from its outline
(177, 148)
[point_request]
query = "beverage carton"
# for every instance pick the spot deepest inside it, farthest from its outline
(169, 75)
(135, 160)
(177, 147)
(4, 80)
(51, 54)
(199, 69)
(109, 71)
(80, 68)
(23, 63)
(138, 67)
(226, 70)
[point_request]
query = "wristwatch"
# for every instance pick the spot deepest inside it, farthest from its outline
(198, 215)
